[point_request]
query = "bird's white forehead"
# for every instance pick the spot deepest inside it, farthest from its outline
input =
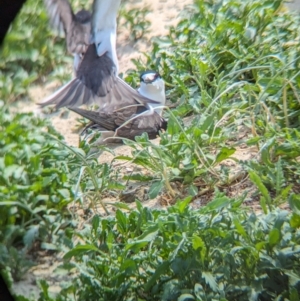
(149, 76)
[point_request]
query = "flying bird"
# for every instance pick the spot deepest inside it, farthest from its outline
(83, 28)
(96, 78)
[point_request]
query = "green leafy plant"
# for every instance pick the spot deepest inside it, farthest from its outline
(219, 252)
(39, 176)
(135, 21)
(233, 67)
(35, 186)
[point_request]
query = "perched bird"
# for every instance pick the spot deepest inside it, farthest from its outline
(133, 120)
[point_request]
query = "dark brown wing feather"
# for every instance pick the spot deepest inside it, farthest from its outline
(117, 121)
(77, 28)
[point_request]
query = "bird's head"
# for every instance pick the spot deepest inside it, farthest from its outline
(153, 87)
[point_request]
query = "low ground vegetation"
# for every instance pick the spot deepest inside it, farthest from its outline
(232, 68)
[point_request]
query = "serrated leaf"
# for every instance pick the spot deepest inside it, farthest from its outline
(210, 280)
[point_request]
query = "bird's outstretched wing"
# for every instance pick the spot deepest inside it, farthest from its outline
(77, 27)
(97, 83)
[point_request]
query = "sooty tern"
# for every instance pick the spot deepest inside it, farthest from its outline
(130, 121)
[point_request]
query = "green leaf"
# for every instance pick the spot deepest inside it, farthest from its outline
(197, 242)
(294, 202)
(160, 270)
(186, 297)
(148, 236)
(80, 250)
(122, 221)
(239, 228)
(96, 222)
(210, 280)
(199, 291)
(120, 205)
(263, 204)
(224, 154)
(261, 187)
(155, 189)
(295, 220)
(31, 235)
(65, 193)
(274, 237)
(217, 204)
(128, 266)
(294, 295)
(182, 205)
